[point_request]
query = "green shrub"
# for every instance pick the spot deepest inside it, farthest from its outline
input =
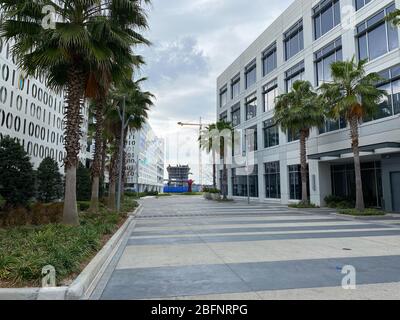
(83, 183)
(24, 251)
(49, 185)
(16, 173)
(333, 201)
(303, 205)
(46, 213)
(2, 202)
(214, 190)
(83, 205)
(366, 212)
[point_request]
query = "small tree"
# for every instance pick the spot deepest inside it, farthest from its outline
(49, 182)
(83, 183)
(353, 95)
(300, 111)
(16, 173)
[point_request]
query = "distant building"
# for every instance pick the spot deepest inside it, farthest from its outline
(301, 44)
(144, 168)
(178, 175)
(34, 114)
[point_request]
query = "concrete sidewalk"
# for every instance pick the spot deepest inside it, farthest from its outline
(184, 247)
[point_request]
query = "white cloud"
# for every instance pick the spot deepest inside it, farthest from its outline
(194, 41)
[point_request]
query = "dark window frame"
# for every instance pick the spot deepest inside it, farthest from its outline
(320, 55)
(293, 72)
(235, 80)
(267, 88)
(272, 177)
(295, 30)
(252, 66)
(249, 100)
(267, 53)
(365, 28)
(270, 124)
(318, 11)
(222, 91)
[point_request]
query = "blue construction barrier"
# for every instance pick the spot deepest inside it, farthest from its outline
(175, 189)
(168, 189)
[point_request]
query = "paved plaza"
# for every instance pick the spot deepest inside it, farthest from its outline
(183, 247)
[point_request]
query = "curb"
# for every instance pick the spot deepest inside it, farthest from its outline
(86, 280)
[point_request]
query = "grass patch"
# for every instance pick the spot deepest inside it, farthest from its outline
(366, 212)
(303, 205)
(24, 251)
(163, 195)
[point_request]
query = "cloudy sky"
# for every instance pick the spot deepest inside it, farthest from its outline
(193, 42)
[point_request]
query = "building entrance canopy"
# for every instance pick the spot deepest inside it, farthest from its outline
(378, 148)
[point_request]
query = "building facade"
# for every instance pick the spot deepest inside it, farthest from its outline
(144, 160)
(178, 175)
(32, 113)
(301, 44)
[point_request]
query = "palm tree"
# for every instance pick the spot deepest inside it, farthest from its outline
(137, 105)
(121, 71)
(298, 111)
(69, 55)
(207, 140)
(353, 95)
(206, 143)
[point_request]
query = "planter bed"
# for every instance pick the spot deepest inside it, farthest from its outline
(25, 250)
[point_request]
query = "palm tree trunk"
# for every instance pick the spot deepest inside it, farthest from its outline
(357, 166)
(103, 162)
(113, 175)
(96, 166)
(225, 182)
(214, 170)
(75, 90)
(303, 165)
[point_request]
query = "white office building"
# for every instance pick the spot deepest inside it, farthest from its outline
(32, 113)
(144, 160)
(301, 44)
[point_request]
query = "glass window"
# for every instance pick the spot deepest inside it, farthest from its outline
(361, 3)
(295, 182)
(235, 88)
(270, 92)
(223, 97)
(272, 180)
(224, 116)
(271, 134)
(239, 182)
(376, 36)
(251, 74)
(326, 16)
(293, 136)
(389, 105)
(324, 58)
(252, 142)
(269, 60)
(235, 115)
(293, 74)
(294, 40)
(332, 125)
(251, 106)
